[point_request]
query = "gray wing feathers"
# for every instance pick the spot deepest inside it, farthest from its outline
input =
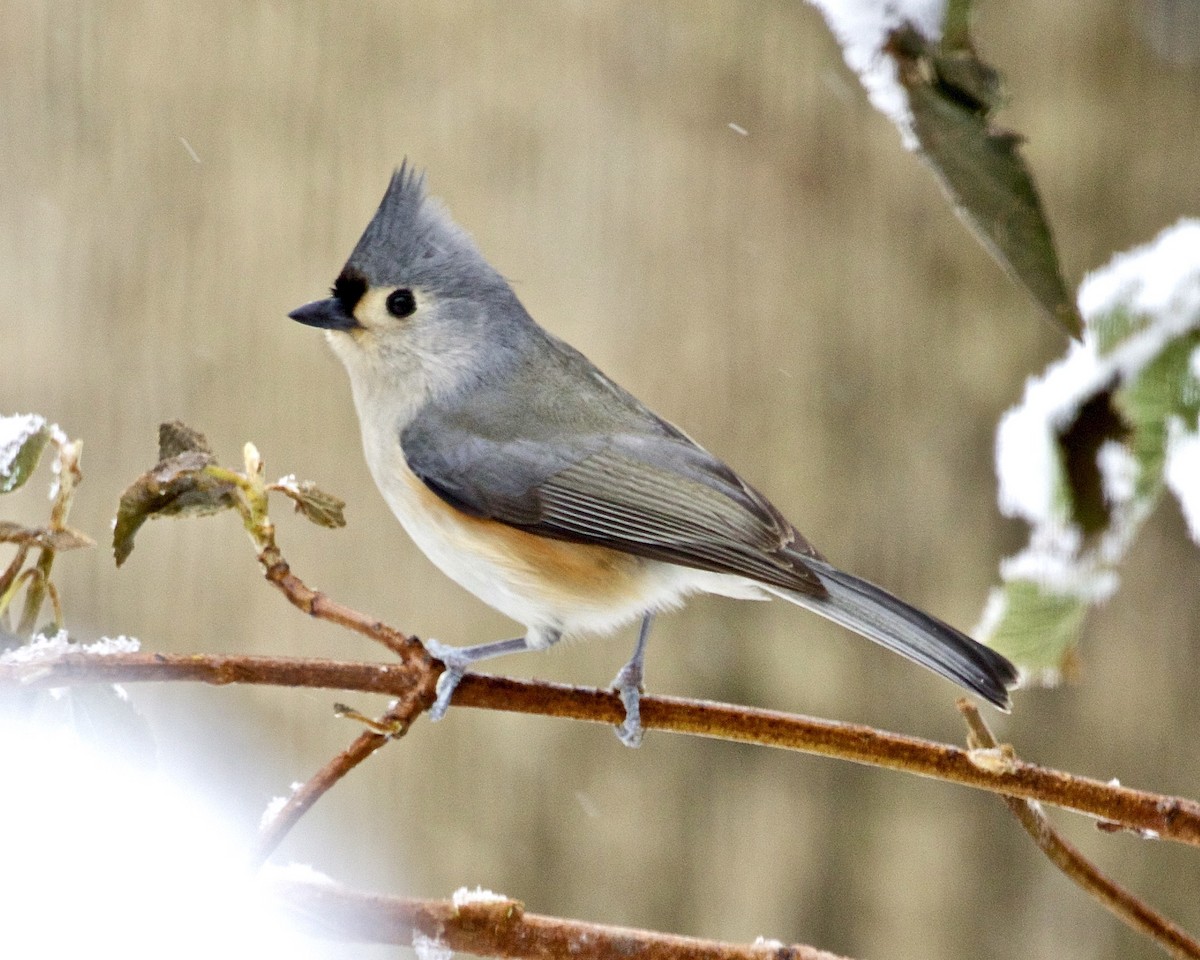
(679, 512)
(876, 614)
(653, 494)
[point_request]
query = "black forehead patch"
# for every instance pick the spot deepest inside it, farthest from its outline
(349, 288)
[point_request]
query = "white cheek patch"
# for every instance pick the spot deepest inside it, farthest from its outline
(371, 309)
(372, 312)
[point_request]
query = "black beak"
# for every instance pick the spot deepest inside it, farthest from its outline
(329, 314)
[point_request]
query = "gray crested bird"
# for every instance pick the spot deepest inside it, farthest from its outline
(548, 491)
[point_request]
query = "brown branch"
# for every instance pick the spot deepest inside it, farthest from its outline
(391, 726)
(1171, 818)
(1128, 908)
(499, 929)
(320, 606)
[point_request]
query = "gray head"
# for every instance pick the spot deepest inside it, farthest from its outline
(412, 240)
(416, 298)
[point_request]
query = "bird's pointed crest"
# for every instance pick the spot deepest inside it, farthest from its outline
(411, 239)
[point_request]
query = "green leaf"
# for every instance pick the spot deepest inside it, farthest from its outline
(951, 94)
(22, 440)
(1165, 388)
(1113, 327)
(323, 509)
(178, 486)
(1038, 629)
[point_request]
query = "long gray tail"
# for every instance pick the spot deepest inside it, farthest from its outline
(876, 614)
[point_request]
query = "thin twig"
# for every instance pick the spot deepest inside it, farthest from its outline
(69, 477)
(391, 726)
(500, 928)
(10, 573)
(1128, 908)
(34, 579)
(320, 606)
(1171, 818)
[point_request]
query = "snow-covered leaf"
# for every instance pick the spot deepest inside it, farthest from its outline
(22, 440)
(1086, 456)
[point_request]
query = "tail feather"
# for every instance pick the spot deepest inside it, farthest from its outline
(874, 613)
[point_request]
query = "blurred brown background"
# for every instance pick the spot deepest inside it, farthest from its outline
(800, 298)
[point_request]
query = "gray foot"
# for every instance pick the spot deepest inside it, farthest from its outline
(457, 659)
(628, 684)
(456, 668)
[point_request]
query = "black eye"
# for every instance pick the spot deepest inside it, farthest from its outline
(401, 303)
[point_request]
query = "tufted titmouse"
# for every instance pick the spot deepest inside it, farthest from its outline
(548, 491)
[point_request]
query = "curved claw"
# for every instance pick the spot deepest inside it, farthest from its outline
(456, 668)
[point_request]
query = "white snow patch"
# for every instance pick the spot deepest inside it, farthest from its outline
(107, 646)
(39, 648)
(993, 613)
(1160, 279)
(47, 648)
(296, 873)
(1118, 472)
(463, 896)
(1061, 573)
(55, 478)
(862, 28)
(274, 807)
(276, 804)
(430, 948)
(1183, 472)
(1028, 463)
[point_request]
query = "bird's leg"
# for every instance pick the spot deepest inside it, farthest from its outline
(458, 659)
(628, 684)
